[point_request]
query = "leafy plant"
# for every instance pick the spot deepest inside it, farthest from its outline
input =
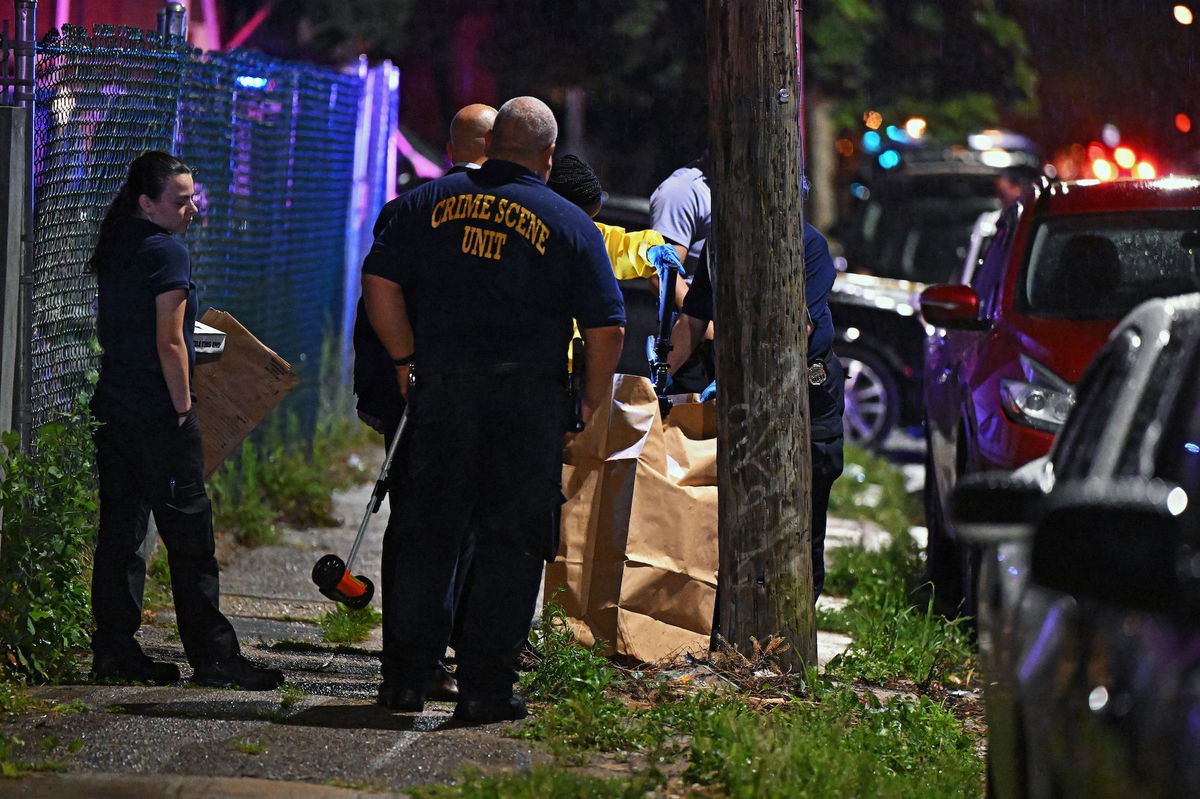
(347, 626)
(49, 506)
(563, 669)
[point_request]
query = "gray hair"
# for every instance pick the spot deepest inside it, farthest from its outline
(524, 126)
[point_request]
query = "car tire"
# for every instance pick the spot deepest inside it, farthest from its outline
(872, 397)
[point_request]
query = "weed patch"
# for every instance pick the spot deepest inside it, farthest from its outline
(290, 695)
(158, 579)
(48, 501)
(347, 626)
(539, 783)
(894, 637)
(845, 745)
(248, 746)
(873, 489)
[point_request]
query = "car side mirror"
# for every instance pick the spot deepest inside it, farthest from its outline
(952, 306)
(1120, 542)
(992, 507)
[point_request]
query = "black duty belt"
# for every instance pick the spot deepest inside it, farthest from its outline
(459, 376)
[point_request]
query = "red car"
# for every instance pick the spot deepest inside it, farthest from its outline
(1004, 351)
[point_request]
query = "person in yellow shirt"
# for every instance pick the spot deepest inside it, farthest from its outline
(628, 251)
(574, 180)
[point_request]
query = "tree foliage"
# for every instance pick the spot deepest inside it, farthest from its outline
(961, 64)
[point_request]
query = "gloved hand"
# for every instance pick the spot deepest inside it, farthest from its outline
(662, 256)
(710, 392)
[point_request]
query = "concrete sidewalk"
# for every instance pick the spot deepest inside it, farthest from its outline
(331, 741)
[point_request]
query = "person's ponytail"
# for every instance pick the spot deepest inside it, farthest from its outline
(147, 175)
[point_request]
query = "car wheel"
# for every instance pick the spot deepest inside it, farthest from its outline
(872, 397)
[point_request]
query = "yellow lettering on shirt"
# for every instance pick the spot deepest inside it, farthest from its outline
(483, 243)
(485, 207)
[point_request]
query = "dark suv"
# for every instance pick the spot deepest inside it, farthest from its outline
(912, 227)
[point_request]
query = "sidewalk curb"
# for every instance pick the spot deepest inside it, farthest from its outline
(124, 786)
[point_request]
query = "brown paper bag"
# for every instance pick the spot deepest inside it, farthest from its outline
(638, 557)
(236, 391)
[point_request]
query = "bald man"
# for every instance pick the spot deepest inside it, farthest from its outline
(467, 145)
(379, 402)
(472, 288)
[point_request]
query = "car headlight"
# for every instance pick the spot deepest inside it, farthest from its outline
(1042, 401)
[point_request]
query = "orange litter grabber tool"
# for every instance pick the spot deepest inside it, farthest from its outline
(331, 574)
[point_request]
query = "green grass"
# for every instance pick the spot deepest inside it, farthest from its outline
(346, 626)
(896, 634)
(290, 696)
(248, 746)
(158, 579)
(11, 768)
(871, 488)
(846, 745)
(541, 782)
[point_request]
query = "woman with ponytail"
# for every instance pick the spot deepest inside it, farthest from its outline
(148, 448)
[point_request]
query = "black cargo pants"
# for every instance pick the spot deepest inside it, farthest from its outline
(152, 464)
(485, 456)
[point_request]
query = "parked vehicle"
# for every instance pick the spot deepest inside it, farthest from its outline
(1089, 612)
(913, 228)
(1008, 347)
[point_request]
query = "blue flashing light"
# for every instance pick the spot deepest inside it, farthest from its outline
(1192, 447)
(889, 159)
(871, 141)
(897, 134)
(859, 191)
(251, 82)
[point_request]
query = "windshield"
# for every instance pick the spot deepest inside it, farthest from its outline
(1102, 265)
(926, 242)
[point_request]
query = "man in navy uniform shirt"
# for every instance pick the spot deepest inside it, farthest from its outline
(473, 287)
(826, 390)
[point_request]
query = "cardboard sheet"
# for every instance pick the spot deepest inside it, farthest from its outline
(237, 391)
(638, 556)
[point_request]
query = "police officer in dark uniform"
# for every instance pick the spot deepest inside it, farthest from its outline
(826, 390)
(472, 289)
(379, 402)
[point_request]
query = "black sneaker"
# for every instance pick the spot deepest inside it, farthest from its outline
(487, 711)
(442, 687)
(133, 669)
(403, 700)
(237, 672)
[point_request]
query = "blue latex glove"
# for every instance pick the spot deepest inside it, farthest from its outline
(710, 392)
(662, 256)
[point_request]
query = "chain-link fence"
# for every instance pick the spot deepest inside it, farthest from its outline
(277, 154)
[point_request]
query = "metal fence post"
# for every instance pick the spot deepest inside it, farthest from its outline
(172, 20)
(24, 51)
(12, 208)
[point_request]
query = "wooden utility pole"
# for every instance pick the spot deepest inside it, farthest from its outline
(763, 464)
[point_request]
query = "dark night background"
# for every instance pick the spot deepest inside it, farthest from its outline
(641, 63)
